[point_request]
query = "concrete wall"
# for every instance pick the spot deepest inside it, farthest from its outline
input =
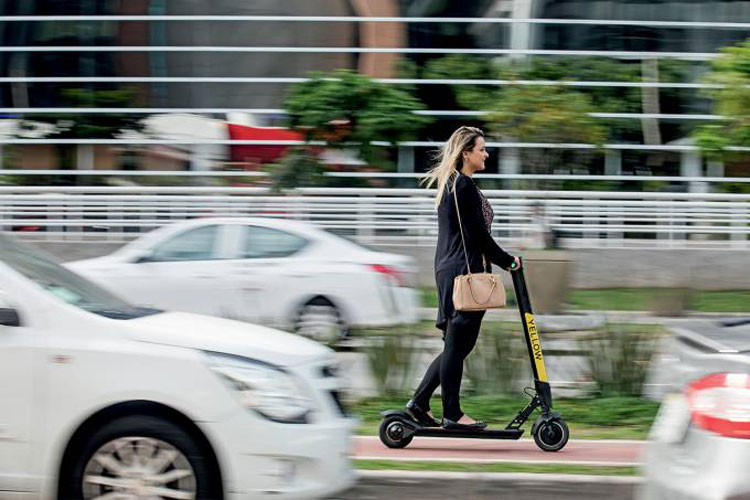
(592, 268)
(611, 268)
(700, 269)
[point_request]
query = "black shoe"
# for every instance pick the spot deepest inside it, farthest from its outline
(455, 426)
(420, 415)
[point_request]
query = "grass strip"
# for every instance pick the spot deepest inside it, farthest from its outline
(722, 301)
(426, 328)
(635, 299)
(497, 467)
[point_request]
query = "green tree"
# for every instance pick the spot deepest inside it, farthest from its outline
(592, 69)
(526, 113)
(94, 125)
(731, 73)
(603, 99)
(349, 111)
(545, 114)
(299, 167)
(571, 103)
(463, 67)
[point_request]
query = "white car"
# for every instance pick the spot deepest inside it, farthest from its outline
(699, 446)
(281, 273)
(102, 399)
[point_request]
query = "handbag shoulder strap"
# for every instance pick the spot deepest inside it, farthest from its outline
(460, 227)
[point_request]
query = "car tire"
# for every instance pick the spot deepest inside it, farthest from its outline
(320, 320)
(136, 454)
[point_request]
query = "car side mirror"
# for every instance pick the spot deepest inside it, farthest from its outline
(9, 317)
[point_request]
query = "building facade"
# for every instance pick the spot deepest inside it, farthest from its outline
(242, 83)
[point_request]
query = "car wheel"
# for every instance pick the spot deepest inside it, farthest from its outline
(320, 320)
(140, 456)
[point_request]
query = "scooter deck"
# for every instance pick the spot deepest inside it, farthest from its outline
(418, 430)
(483, 434)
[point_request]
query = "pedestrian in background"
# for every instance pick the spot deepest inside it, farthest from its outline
(460, 158)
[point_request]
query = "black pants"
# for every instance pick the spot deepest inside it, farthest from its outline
(447, 368)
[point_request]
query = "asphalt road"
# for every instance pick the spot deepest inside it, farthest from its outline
(391, 485)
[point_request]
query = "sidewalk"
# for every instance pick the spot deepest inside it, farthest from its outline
(576, 452)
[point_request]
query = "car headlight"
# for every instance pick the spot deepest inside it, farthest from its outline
(264, 388)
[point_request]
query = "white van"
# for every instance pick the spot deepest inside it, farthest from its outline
(103, 399)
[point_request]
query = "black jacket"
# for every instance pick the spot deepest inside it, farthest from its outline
(449, 255)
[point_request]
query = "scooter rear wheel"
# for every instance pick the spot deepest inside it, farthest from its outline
(393, 433)
(551, 435)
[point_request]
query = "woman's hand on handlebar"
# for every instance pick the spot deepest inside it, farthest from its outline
(516, 265)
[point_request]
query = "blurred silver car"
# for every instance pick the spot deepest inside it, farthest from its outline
(699, 446)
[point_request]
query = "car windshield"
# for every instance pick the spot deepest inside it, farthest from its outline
(65, 284)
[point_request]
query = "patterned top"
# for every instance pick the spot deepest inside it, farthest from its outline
(487, 211)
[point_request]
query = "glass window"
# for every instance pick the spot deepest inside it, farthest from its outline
(194, 244)
(263, 242)
(65, 284)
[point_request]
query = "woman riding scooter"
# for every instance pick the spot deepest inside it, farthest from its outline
(462, 155)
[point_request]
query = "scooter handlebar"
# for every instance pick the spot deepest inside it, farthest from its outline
(513, 267)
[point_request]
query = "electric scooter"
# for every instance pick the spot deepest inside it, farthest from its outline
(550, 432)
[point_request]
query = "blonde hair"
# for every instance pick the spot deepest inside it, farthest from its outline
(449, 158)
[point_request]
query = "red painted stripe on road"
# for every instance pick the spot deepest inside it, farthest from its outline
(478, 450)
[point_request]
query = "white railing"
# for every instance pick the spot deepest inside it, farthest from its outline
(296, 79)
(419, 144)
(167, 174)
(582, 219)
(623, 54)
(282, 112)
(379, 19)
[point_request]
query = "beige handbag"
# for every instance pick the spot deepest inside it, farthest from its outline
(475, 291)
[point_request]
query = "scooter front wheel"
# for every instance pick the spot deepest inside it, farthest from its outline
(393, 433)
(551, 435)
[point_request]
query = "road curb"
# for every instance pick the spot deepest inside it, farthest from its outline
(500, 461)
(495, 476)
